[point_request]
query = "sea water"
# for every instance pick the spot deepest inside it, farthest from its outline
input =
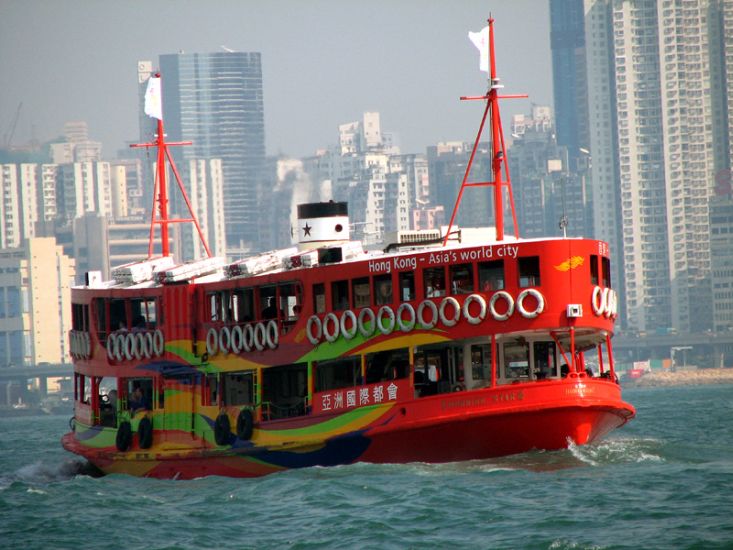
(663, 481)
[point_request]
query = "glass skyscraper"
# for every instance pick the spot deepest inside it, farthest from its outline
(215, 100)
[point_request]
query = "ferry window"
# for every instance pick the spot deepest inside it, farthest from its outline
(516, 360)
(362, 296)
(213, 300)
(434, 282)
(407, 285)
(77, 317)
(117, 315)
(108, 402)
(139, 394)
(238, 388)
(210, 393)
(267, 302)
(529, 271)
(593, 269)
(491, 275)
(340, 373)
(289, 301)
(480, 366)
(606, 265)
(383, 289)
(340, 295)
(243, 304)
(461, 277)
(319, 298)
(545, 360)
(391, 364)
(285, 389)
(100, 307)
(143, 313)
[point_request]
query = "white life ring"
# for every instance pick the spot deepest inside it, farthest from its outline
(429, 304)
(474, 319)
(329, 335)
(598, 301)
(537, 296)
(72, 344)
(510, 305)
(260, 336)
(610, 299)
(148, 347)
(236, 339)
(349, 334)
(139, 345)
(314, 339)
(363, 330)
(450, 300)
(120, 345)
(225, 340)
(390, 317)
(212, 342)
(410, 324)
(271, 334)
(158, 343)
(87, 345)
(130, 345)
(248, 337)
(111, 345)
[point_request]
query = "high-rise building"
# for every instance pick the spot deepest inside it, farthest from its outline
(570, 89)
(657, 77)
(35, 303)
(215, 100)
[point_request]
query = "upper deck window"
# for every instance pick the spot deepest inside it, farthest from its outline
(491, 276)
(434, 282)
(117, 315)
(243, 305)
(529, 271)
(593, 269)
(319, 298)
(407, 286)
(362, 295)
(340, 295)
(606, 265)
(383, 289)
(461, 277)
(268, 306)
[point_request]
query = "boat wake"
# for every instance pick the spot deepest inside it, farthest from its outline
(618, 451)
(42, 473)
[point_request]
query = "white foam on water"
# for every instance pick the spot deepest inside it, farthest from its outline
(617, 451)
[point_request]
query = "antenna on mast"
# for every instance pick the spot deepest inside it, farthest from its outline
(153, 108)
(498, 163)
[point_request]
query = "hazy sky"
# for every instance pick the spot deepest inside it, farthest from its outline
(324, 63)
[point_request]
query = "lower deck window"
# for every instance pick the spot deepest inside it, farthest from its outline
(387, 365)
(285, 390)
(238, 388)
(340, 373)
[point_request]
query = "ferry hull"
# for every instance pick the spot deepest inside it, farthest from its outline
(452, 427)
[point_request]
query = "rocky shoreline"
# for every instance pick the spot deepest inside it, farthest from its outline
(681, 378)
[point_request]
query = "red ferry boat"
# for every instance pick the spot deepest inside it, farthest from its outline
(460, 345)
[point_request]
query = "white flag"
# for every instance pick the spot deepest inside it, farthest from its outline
(481, 41)
(153, 102)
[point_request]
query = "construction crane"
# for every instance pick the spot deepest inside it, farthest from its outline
(8, 138)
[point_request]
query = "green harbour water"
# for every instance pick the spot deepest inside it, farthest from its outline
(663, 481)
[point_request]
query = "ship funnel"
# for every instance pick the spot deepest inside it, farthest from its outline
(322, 223)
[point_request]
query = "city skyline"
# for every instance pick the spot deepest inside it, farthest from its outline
(322, 63)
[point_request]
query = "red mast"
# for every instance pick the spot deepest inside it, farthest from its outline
(160, 189)
(498, 150)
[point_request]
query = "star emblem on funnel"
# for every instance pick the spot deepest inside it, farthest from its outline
(307, 230)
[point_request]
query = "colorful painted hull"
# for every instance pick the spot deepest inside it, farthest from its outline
(471, 425)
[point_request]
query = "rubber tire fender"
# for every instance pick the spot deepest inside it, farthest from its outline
(222, 429)
(245, 424)
(145, 433)
(123, 440)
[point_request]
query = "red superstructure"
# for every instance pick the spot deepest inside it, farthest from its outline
(431, 350)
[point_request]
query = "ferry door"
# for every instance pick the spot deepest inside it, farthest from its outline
(179, 406)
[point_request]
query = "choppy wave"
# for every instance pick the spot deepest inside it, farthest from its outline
(618, 451)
